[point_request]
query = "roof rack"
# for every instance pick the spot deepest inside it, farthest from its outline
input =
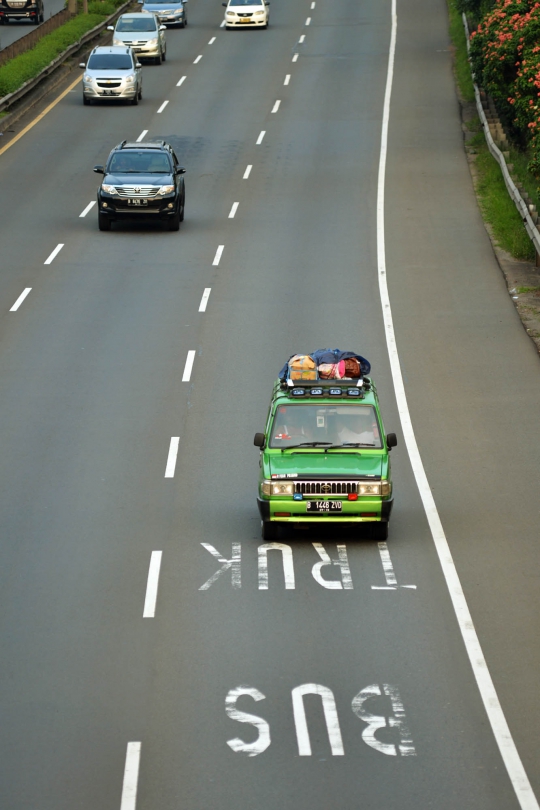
(349, 387)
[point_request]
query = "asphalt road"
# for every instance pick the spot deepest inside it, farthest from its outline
(91, 368)
(15, 30)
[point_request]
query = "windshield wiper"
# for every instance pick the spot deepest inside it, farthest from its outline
(307, 444)
(353, 444)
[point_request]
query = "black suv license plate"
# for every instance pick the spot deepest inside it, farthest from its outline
(137, 202)
(323, 506)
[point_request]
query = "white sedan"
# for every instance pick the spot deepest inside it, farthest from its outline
(241, 13)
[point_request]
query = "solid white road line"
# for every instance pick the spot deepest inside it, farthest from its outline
(212, 41)
(308, 21)
(131, 776)
(171, 458)
(20, 299)
(186, 376)
(234, 209)
(247, 171)
(287, 78)
(54, 254)
(204, 299)
(260, 138)
(87, 209)
(163, 106)
(198, 59)
(302, 38)
(499, 725)
(142, 136)
(149, 610)
(295, 57)
(217, 257)
(275, 108)
(182, 80)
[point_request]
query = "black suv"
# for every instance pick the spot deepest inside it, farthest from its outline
(142, 180)
(32, 10)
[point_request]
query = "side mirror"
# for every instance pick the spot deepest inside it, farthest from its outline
(110, 28)
(258, 441)
(391, 440)
(99, 170)
(224, 4)
(162, 27)
(82, 65)
(138, 65)
(180, 170)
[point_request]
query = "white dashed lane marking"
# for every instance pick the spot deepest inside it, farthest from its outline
(20, 299)
(302, 38)
(87, 209)
(204, 299)
(131, 776)
(212, 41)
(247, 171)
(163, 106)
(217, 257)
(186, 376)
(233, 210)
(198, 59)
(260, 138)
(275, 108)
(142, 136)
(295, 57)
(287, 79)
(308, 21)
(54, 254)
(149, 610)
(171, 458)
(182, 80)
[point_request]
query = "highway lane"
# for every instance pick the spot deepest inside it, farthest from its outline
(15, 30)
(92, 366)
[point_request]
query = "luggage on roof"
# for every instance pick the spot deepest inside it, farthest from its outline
(329, 364)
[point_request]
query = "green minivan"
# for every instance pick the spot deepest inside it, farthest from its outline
(324, 457)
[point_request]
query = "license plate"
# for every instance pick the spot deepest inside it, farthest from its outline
(323, 506)
(245, 21)
(137, 202)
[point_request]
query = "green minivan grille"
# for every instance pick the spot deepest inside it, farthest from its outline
(325, 487)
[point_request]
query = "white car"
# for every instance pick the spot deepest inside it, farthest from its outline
(143, 34)
(241, 13)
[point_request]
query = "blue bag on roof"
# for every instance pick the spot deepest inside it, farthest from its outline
(329, 356)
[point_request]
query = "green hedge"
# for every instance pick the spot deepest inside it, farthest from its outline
(26, 66)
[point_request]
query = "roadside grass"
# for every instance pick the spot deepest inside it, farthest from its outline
(461, 63)
(495, 203)
(22, 68)
(523, 290)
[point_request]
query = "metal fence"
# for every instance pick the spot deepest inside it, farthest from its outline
(29, 40)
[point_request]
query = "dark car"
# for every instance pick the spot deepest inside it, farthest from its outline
(31, 10)
(142, 181)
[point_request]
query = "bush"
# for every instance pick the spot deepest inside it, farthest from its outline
(505, 57)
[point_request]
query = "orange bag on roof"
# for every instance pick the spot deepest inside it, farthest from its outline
(302, 367)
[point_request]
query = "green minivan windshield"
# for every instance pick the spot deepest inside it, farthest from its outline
(336, 425)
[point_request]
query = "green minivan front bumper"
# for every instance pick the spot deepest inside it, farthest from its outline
(352, 511)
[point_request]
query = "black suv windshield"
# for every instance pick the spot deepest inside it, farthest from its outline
(152, 162)
(110, 61)
(136, 24)
(335, 425)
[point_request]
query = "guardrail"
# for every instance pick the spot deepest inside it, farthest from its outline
(29, 40)
(11, 98)
(519, 202)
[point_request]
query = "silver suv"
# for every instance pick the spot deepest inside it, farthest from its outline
(112, 73)
(143, 33)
